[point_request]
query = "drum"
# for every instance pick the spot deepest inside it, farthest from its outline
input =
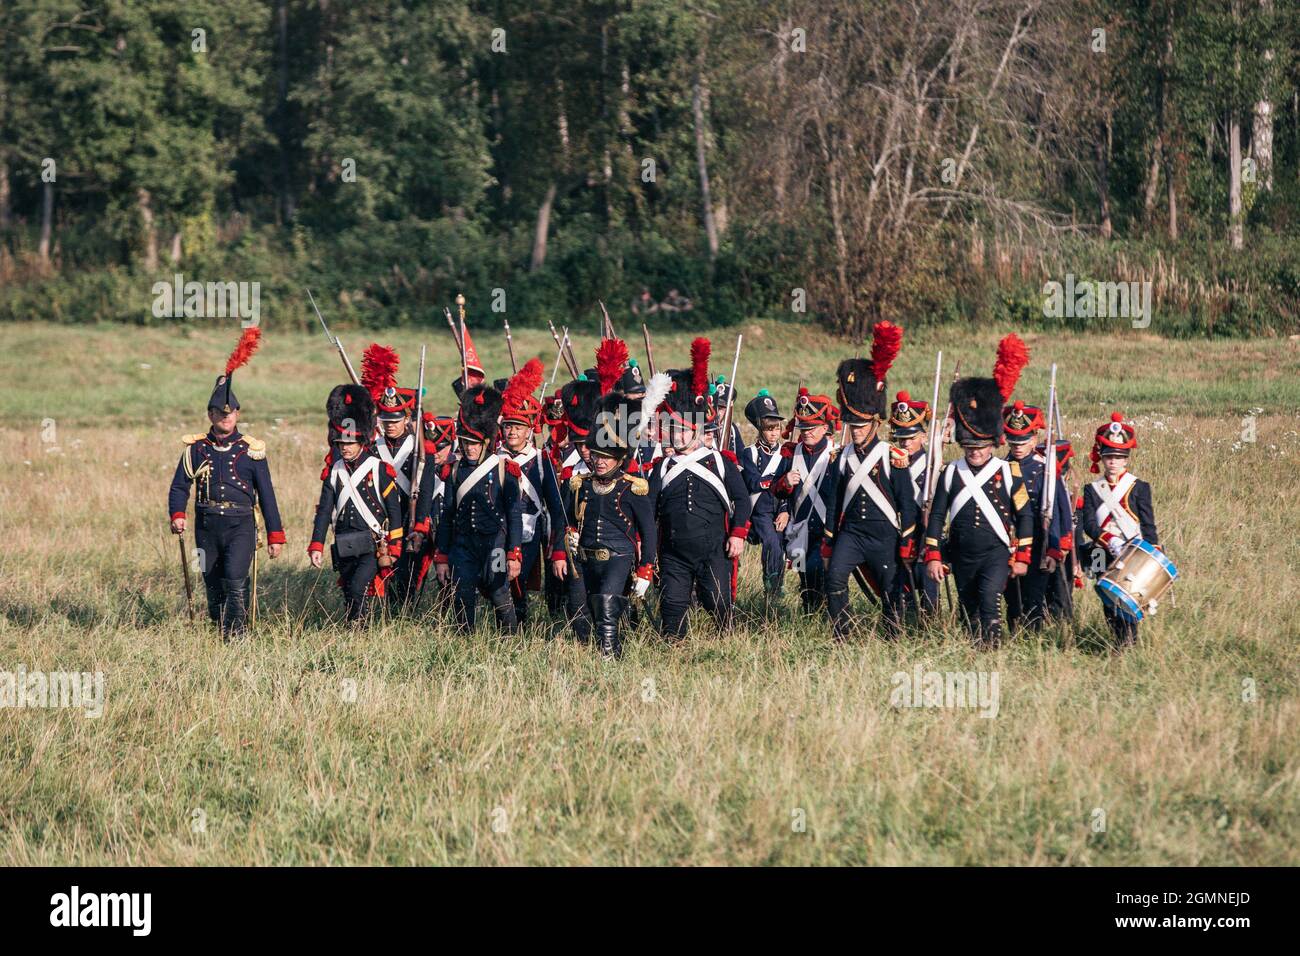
(1137, 580)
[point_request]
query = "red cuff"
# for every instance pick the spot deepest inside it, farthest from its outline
(780, 486)
(740, 530)
(275, 537)
(395, 549)
(515, 554)
(559, 555)
(646, 572)
(178, 514)
(1056, 554)
(907, 550)
(932, 555)
(315, 546)
(421, 526)
(440, 558)
(1021, 557)
(1067, 542)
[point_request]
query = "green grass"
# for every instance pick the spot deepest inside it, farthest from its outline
(532, 750)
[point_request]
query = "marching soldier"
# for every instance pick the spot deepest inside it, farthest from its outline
(480, 531)
(769, 514)
(233, 478)
(870, 505)
(439, 441)
(612, 530)
(647, 451)
(395, 445)
(722, 396)
(986, 510)
(1117, 509)
(1027, 594)
(359, 500)
(701, 503)
(580, 399)
(520, 420)
(555, 448)
(800, 479)
(908, 420)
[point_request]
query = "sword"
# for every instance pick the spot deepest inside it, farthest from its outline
(335, 341)
(185, 573)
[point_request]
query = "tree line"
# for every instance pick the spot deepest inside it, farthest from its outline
(860, 159)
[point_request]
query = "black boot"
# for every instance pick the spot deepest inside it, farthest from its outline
(234, 611)
(216, 593)
(357, 612)
(607, 613)
(772, 593)
(837, 605)
(507, 619)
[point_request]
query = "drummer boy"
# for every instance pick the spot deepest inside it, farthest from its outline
(1116, 509)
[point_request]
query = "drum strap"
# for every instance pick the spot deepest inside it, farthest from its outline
(1112, 506)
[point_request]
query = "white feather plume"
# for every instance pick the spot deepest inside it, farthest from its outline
(656, 391)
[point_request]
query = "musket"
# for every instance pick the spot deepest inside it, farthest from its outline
(568, 357)
(185, 573)
(559, 355)
(649, 352)
(510, 346)
(932, 474)
(335, 341)
(930, 456)
(609, 326)
(464, 357)
(418, 473)
(726, 419)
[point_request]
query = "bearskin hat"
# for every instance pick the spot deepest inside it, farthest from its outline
(612, 427)
(861, 401)
(580, 398)
(480, 411)
(976, 412)
(351, 413)
(688, 393)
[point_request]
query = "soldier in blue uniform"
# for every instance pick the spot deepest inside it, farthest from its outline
(647, 450)
(701, 504)
(769, 514)
(722, 396)
(580, 400)
(800, 481)
(521, 419)
(908, 420)
(359, 500)
(1066, 576)
(439, 445)
(870, 506)
(480, 532)
(396, 445)
(1027, 595)
(986, 511)
(233, 478)
(611, 536)
(1116, 510)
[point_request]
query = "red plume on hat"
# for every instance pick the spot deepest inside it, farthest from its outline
(700, 350)
(611, 356)
(886, 340)
(248, 343)
(1013, 356)
(379, 369)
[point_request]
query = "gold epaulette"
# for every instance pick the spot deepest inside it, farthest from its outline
(1015, 468)
(639, 485)
(575, 482)
(256, 448)
(191, 439)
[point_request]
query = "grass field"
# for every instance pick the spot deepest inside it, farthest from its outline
(411, 745)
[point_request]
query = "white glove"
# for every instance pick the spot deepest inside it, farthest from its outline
(641, 587)
(1115, 546)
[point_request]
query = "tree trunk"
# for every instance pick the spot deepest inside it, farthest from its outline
(1166, 132)
(1234, 181)
(543, 226)
(781, 162)
(4, 194)
(286, 205)
(145, 202)
(1153, 183)
(175, 254)
(47, 222)
(1261, 139)
(1103, 177)
(698, 98)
